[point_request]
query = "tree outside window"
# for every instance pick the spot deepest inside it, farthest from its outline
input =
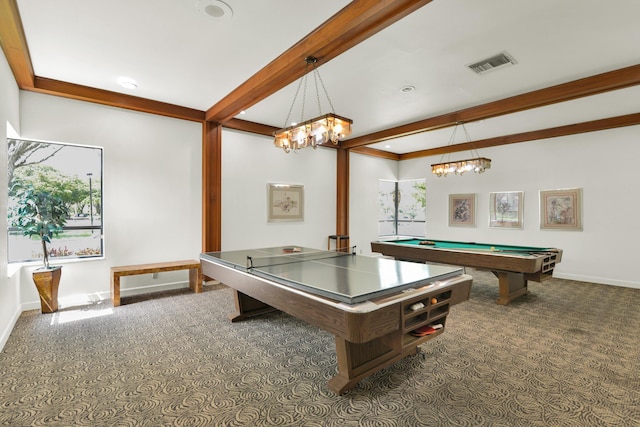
(72, 173)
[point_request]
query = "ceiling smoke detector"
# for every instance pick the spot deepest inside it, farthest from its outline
(500, 60)
(215, 9)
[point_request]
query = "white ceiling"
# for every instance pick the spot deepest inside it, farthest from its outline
(179, 55)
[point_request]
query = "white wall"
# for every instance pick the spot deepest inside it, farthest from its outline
(9, 112)
(249, 163)
(365, 172)
(152, 189)
(605, 252)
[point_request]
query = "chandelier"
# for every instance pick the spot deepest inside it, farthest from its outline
(327, 128)
(477, 164)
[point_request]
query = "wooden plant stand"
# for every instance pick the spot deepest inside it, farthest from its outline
(47, 282)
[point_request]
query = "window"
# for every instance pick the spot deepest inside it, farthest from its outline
(71, 173)
(402, 208)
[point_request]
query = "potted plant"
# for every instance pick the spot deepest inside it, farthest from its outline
(42, 214)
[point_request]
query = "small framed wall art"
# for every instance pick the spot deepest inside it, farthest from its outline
(462, 210)
(561, 209)
(285, 202)
(505, 209)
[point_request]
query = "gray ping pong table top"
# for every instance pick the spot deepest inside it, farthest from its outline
(343, 277)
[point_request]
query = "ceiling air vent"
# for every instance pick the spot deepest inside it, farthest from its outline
(500, 60)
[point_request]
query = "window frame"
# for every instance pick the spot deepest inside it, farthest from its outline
(39, 163)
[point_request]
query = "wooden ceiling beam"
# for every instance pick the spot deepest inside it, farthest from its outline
(14, 44)
(356, 22)
(600, 83)
(251, 127)
(573, 129)
(375, 153)
(115, 99)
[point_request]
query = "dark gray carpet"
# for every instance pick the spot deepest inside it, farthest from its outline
(566, 355)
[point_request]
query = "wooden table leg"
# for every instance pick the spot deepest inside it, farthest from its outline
(247, 306)
(358, 361)
(512, 286)
(195, 279)
(115, 289)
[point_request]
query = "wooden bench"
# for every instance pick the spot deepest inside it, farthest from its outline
(195, 274)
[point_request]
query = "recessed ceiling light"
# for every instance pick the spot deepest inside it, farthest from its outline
(127, 83)
(216, 9)
(407, 89)
(387, 146)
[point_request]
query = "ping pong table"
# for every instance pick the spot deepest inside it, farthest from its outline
(379, 310)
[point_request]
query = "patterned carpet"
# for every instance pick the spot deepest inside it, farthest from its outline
(568, 354)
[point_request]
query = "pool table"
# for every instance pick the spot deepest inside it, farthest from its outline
(512, 265)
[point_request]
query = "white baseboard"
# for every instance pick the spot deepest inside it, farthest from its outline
(600, 280)
(4, 337)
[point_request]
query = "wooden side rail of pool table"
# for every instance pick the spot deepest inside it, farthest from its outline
(195, 274)
(513, 271)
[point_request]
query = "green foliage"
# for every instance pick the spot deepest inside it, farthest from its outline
(46, 179)
(420, 193)
(39, 213)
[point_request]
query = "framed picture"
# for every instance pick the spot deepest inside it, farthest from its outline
(462, 210)
(505, 209)
(561, 209)
(285, 202)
